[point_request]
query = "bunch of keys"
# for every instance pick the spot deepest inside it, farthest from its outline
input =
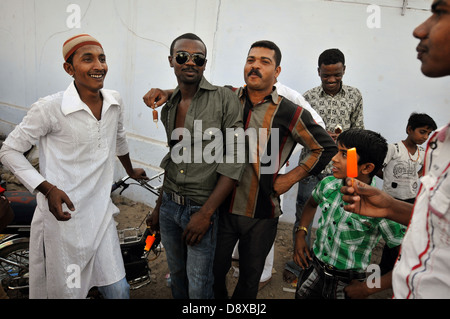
(155, 115)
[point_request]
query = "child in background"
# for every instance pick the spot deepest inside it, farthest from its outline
(402, 168)
(344, 243)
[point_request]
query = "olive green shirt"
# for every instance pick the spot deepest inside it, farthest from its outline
(194, 165)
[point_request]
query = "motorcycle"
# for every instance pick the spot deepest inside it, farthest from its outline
(136, 243)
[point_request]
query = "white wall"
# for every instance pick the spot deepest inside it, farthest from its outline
(136, 35)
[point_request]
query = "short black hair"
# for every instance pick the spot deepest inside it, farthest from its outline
(331, 56)
(370, 146)
(420, 120)
(70, 59)
(189, 36)
(269, 45)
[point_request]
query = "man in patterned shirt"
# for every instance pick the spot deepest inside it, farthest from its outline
(341, 108)
(344, 243)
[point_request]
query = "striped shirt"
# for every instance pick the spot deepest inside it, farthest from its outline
(345, 240)
(285, 124)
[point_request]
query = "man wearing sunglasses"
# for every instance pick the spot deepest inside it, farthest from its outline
(193, 189)
(250, 213)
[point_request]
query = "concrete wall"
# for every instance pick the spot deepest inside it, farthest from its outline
(136, 34)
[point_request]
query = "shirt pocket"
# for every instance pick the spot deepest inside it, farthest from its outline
(354, 230)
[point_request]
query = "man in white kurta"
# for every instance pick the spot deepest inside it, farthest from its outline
(77, 154)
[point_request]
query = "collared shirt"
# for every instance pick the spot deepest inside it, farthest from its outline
(77, 154)
(298, 99)
(344, 109)
(274, 127)
(346, 240)
(422, 270)
(190, 168)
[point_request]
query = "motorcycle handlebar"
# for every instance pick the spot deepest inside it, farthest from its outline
(143, 183)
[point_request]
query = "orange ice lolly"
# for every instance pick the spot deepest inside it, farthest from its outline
(352, 163)
(149, 242)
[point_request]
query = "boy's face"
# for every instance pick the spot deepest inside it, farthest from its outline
(340, 163)
(331, 76)
(419, 135)
(88, 68)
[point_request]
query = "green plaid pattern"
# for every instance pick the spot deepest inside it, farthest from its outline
(346, 240)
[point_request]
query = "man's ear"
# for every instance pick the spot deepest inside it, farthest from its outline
(69, 68)
(170, 61)
(367, 168)
(277, 72)
(409, 129)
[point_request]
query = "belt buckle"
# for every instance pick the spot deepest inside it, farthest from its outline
(178, 199)
(328, 270)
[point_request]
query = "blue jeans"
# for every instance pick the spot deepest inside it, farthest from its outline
(117, 290)
(191, 267)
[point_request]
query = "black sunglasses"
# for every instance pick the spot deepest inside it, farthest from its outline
(198, 58)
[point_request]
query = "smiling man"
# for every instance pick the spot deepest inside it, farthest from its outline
(341, 108)
(74, 244)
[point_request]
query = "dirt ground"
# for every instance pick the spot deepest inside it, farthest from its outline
(131, 215)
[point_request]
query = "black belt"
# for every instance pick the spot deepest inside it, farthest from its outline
(182, 200)
(329, 270)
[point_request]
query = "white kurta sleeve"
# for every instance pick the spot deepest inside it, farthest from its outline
(33, 126)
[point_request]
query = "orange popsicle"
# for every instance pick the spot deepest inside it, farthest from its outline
(149, 242)
(352, 163)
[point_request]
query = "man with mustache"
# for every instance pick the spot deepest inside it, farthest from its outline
(250, 214)
(192, 190)
(422, 268)
(74, 244)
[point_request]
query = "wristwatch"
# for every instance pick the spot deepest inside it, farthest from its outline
(298, 228)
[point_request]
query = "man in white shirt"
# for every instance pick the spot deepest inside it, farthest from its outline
(422, 269)
(74, 244)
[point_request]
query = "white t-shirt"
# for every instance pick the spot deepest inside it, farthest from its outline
(400, 178)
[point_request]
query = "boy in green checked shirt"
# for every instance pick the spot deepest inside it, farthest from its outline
(335, 269)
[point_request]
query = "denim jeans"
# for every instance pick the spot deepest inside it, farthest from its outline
(191, 267)
(117, 290)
